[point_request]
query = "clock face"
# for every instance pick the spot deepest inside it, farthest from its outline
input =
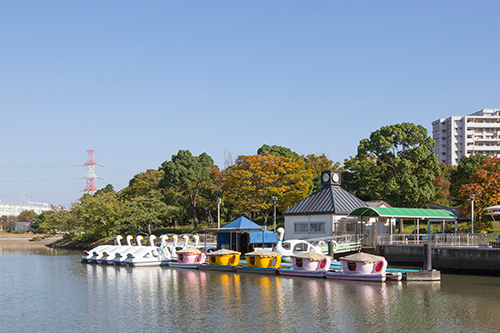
(335, 177)
(326, 177)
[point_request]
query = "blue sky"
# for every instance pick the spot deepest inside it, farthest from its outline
(138, 80)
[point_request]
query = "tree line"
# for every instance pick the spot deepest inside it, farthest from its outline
(396, 164)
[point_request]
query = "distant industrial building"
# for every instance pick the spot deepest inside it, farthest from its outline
(16, 209)
(477, 133)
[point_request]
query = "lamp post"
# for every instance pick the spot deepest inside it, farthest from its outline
(274, 198)
(219, 200)
(472, 196)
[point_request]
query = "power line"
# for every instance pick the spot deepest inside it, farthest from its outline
(35, 180)
(105, 168)
(115, 170)
(33, 194)
(36, 166)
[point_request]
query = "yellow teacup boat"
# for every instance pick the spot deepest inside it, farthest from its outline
(222, 260)
(262, 262)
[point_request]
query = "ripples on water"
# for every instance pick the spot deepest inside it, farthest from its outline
(44, 290)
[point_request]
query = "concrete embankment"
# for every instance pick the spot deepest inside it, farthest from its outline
(39, 238)
(453, 259)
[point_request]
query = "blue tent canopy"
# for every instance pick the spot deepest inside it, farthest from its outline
(269, 237)
(257, 235)
(242, 223)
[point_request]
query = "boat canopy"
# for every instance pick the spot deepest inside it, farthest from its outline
(263, 254)
(222, 252)
(310, 255)
(189, 250)
(362, 257)
(404, 213)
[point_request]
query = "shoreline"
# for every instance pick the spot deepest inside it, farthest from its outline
(31, 238)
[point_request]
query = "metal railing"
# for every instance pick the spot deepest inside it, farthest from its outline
(344, 243)
(463, 240)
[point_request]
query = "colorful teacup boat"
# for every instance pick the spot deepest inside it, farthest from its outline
(189, 258)
(262, 262)
(222, 260)
(364, 267)
(311, 264)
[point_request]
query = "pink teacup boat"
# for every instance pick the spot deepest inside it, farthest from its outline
(311, 264)
(189, 258)
(364, 267)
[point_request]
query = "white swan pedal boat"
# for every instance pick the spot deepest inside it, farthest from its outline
(293, 247)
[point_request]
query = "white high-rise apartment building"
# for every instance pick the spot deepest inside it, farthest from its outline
(478, 133)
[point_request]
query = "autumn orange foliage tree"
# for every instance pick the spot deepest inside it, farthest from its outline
(252, 181)
(485, 184)
(442, 185)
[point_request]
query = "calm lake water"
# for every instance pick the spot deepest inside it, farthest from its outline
(46, 290)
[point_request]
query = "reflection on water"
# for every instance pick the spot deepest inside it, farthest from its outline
(46, 290)
(25, 247)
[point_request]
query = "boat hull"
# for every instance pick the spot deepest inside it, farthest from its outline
(257, 270)
(263, 262)
(356, 277)
(184, 265)
(143, 263)
(224, 268)
(224, 259)
(304, 273)
(395, 276)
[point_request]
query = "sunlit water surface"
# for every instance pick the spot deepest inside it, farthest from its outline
(46, 290)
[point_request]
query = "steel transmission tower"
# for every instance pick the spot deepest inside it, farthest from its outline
(90, 188)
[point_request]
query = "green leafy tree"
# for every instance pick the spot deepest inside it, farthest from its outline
(28, 216)
(142, 184)
(98, 216)
(397, 164)
(37, 225)
(278, 151)
(60, 220)
(182, 213)
(354, 167)
(105, 189)
(188, 175)
(144, 212)
(208, 199)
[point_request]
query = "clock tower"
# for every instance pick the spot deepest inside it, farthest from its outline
(330, 177)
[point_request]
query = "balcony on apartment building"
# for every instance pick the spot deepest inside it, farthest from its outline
(483, 125)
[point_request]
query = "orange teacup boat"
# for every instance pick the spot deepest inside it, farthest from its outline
(262, 262)
(222, 260)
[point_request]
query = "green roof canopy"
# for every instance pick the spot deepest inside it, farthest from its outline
(404, 213)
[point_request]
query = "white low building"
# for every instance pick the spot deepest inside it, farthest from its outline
(325, 212)
(17, 209)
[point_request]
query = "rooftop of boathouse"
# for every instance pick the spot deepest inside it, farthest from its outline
(331, 199)
(327, 200)
(403, 213)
